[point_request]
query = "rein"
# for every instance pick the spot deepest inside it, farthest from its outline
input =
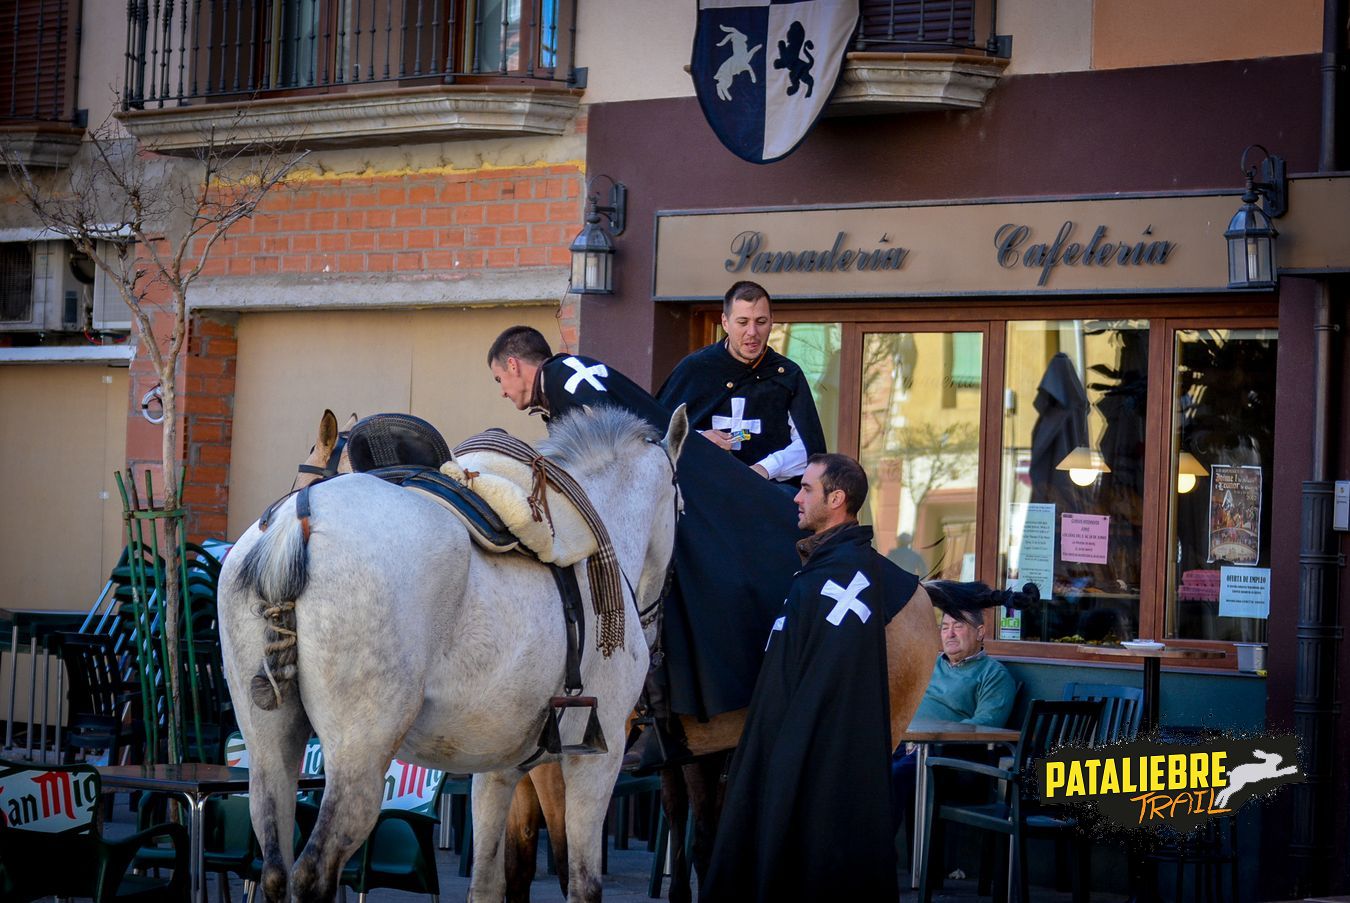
(330, 468)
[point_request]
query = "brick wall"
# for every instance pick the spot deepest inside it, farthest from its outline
(411, 226)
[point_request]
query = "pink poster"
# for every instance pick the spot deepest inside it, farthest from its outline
(1082, 537)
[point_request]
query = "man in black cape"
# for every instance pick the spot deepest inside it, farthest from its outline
(807, 813)
(734, 546)
(747, 398)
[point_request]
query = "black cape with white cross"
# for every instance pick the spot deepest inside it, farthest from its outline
(735, 547)
(752, 400)
(807, 813)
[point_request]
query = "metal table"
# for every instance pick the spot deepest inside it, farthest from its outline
(925, 731)
(1152, 659)
(194, 783)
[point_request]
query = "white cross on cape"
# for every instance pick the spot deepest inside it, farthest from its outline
(584, 374)
(736, 422)
(846, 600)
(777, 625)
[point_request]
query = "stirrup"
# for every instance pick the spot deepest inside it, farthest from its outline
(592, 740)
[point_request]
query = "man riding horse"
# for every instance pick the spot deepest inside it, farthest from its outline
(720, 603)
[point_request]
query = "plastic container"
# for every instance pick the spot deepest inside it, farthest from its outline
(1251, 656)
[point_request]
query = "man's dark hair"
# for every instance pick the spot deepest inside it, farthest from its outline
(745, 290)
(524, 343)
(843, 473)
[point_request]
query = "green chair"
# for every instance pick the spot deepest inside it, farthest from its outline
(400, 853)
(1012, 810)
(54, 847)
(1122, 709)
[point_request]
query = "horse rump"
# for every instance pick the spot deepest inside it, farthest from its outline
(276, 569)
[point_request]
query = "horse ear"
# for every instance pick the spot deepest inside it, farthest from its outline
(351, 422)
(328, 431)
(676, 433)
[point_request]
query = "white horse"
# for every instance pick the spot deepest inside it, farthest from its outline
(411, 642)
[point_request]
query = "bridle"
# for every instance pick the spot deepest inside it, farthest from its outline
(330, 468)
(652, 613)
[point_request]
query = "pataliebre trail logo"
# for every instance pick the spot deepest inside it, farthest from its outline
(1149, 784)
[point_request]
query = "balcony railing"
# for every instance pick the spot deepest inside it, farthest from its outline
(186, 53)
(39, 61)
(933, 26)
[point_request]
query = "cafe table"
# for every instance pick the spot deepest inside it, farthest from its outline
(1153, 659)
(925, 731)
(195, 783)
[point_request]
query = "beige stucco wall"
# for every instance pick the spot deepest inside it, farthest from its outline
(102, 59)
(431, 363)
(1165, 32)
(635, 49)
(1048, 35)
(63, 436)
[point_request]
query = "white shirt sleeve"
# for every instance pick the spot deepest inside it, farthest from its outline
(789, 461)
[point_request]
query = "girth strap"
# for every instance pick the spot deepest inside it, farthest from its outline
(570, 591)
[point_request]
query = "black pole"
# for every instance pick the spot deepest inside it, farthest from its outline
(1318, 801)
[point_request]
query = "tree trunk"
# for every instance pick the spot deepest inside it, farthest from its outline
(173, 588)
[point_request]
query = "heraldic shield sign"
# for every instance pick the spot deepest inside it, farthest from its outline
(764, 69)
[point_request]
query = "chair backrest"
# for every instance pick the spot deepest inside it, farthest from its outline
(236, 753)
(412, 787)
(1122, 709)
(48, 799)
(312, 763)
(1052, 723)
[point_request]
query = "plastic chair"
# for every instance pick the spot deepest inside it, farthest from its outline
(56, 849)
(1122, 709)
(400, 853)
(1013, 811)
(98, 696)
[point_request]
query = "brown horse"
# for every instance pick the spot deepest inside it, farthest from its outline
(911, 642)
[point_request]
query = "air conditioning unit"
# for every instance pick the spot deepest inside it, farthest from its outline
(39, 291)
(110, 312)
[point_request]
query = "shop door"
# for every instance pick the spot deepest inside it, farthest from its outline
(906, 400)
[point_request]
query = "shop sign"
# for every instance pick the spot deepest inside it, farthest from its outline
(1116, 246)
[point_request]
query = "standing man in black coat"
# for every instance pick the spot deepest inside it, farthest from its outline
(807, 814)
(745, 397)
(729, 579)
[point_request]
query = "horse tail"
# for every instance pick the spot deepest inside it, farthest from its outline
(961, 599)
(277, 570)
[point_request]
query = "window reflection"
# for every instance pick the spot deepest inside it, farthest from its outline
(1222, 449)
(815, 348)
(1073, 476)
(919, 440)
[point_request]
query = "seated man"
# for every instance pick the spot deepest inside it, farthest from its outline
(967, 685)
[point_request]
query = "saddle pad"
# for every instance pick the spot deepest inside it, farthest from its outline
(486, 528)
(393, 440)
(562, 537)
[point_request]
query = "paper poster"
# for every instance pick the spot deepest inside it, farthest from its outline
(1033, 538)
(1234, 514)
(1082, 537)
(1244, 592)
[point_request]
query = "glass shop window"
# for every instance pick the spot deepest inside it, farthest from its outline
(919, 442)
(1071, 503)
(815, 348)
(1223, 418)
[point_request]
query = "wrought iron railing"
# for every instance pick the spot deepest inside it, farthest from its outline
(191, 51)
(39, 60)
(928, 25)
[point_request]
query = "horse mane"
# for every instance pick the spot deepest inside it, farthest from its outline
(594, 436)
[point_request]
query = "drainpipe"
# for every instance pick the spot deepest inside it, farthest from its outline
(1317, 802)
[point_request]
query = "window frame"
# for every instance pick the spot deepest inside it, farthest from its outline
(1166, 316)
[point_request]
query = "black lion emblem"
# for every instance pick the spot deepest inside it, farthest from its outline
(790, 57)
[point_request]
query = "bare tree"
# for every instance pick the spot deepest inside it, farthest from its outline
(161, 217)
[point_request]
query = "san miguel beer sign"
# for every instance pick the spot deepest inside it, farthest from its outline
(1110, 246)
